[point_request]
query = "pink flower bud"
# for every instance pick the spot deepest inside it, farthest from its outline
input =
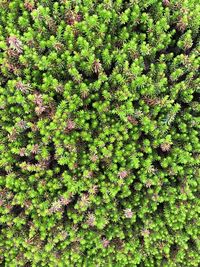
(105, 242)
(24, 88)
(94, 158)
(15, 43)
(38, 99)
(123, 174)
(91, 219)
(128, 213)
(22, 152)
(70, 124)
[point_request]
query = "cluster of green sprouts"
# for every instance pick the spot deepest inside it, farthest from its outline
(99, 133)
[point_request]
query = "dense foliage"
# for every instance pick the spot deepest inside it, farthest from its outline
(99, 116)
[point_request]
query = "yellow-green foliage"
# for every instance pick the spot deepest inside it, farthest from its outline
(99, 133)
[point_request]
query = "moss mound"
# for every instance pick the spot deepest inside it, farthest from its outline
(99, 133)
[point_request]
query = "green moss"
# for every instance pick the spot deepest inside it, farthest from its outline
(99, 136)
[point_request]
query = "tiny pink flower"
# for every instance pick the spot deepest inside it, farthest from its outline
(96, 66)
(89, 174)
(28, 5)
(72, 18)
(22, 152)
(43, 164)
(166, 2)
(105, 242)
(91, 219)
(84, 201)
(35, 149)
(165, 147)
(64, 201)
(38, 99)
(78, 17)
(70, 124)
(15, 43)
(56, 206)
(94, 158)
(40, 109)
(93, 190)
(24, 88)
(128, 213)
(145, 232)
(22, 124)
(123, 174)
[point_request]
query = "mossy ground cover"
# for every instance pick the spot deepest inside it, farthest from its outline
(99, 133)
